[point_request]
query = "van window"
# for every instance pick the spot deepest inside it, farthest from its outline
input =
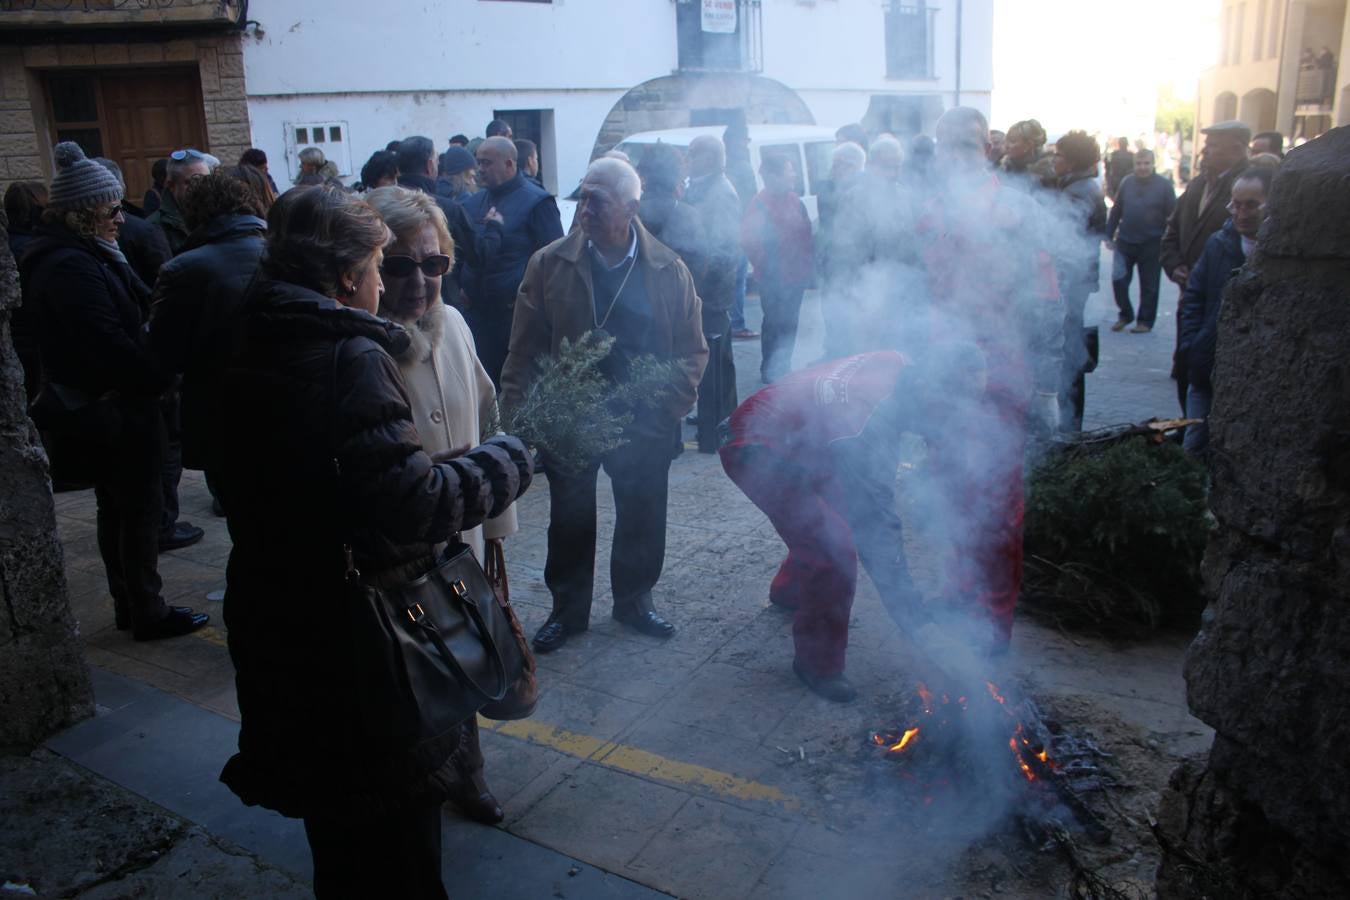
(636, 150)
(792, 152)
(819, 156)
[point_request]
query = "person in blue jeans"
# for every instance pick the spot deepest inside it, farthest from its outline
(1225, 252)
(1134, 230)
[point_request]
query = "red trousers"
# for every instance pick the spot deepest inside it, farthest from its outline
(820, 574)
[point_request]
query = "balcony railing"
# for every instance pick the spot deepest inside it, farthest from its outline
(60, 14)
(910, 30)
(738, 50)
(1316, 86)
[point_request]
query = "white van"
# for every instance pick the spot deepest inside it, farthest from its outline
(809, 147)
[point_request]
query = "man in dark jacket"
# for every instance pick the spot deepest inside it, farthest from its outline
(417, 165)
(1200, 211)
(1119, 165)
(1143, 203)
(197, 304)
(512, 218)
(184, 165)
(1225, 252)
(719, 208)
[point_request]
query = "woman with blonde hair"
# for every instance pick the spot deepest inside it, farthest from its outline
(453, 400)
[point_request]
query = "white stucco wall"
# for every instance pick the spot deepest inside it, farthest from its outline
(402, 67)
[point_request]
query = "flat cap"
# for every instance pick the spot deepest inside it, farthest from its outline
(1230, 128)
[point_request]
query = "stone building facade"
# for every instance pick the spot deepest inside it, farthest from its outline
(132, 89)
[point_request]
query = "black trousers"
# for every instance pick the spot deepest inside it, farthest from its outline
(1073, 383)
(1127, 258)
(639, 473)
(129, 493)
(171, 472)
(782, 307)
(1180, 374)
(389, 856)
(717, 390)
(491, 338)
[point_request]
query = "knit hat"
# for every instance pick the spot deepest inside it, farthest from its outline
(80, 183)
(456, 160)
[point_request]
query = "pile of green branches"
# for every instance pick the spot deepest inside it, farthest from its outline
(573, 413)
(1114, 538)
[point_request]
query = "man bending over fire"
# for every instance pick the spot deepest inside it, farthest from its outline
(817, 452)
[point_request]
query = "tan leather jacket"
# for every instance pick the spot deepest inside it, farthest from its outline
(554, 302)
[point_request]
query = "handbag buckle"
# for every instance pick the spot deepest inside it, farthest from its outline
(461, 591)
(352, 573)
(416, 614)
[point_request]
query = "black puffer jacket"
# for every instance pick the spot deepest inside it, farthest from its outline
(87, 309)
(313, 384)
(196, 305)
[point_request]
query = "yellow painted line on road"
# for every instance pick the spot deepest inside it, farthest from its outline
(634, 761)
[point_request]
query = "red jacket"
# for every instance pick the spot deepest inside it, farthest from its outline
(776, 236)
(801, 414)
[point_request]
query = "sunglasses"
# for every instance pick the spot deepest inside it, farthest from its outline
(403, 266)
(1245, 205)
(180, 155)
(110, 212)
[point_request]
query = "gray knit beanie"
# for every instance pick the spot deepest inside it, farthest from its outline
(80, 183)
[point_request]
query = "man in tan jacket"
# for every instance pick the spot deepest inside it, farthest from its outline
(1201, 210)
(611, 275)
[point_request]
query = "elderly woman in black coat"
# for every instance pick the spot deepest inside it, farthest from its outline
(321, 454)
(98, 405)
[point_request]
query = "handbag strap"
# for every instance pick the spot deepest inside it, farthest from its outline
(352, 573)
(421, 620)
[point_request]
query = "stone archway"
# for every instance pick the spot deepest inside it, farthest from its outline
(1225, 106)
(1258, 109)
(682, 100)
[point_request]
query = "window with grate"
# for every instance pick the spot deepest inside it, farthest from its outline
(719, 35)
(909, 39)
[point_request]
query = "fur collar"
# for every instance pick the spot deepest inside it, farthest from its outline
(425, 333)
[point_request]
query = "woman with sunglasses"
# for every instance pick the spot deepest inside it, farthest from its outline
(321, 454)
(98, 404)
(453, 399)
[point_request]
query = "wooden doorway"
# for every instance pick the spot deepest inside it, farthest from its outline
(131, 116)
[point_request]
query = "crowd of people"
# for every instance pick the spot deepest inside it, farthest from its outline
(334, 359)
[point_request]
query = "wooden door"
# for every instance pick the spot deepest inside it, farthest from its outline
(148, 114)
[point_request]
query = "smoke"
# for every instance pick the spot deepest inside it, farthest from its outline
(969, 277)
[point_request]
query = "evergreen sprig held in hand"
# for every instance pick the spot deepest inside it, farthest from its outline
(574, 413)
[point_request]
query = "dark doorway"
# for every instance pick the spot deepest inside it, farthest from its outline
(131, 116)
(529, 124)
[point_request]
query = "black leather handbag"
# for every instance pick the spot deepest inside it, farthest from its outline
(80, 431)
(430, 650)
(430, 647)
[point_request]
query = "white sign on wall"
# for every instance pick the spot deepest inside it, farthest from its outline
(719, 16)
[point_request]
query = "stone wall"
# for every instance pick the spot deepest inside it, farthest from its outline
(25, 141)
(1270, 669)
(44, 684)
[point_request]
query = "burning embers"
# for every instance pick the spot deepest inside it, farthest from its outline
(950, 744)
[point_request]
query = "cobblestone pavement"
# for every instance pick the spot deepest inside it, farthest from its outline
(700, 766)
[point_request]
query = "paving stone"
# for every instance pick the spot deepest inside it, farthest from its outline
(623, 814)
(689, 856)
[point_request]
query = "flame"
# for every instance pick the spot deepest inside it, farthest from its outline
(905, 740)
(1021, 763)
(993, 691)
(926, 696)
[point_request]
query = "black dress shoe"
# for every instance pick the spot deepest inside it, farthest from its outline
(549, 638)
(184, 534)
(646, 622)
(836, 688)
(123, 619)
(478, 805)
(180, 620)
